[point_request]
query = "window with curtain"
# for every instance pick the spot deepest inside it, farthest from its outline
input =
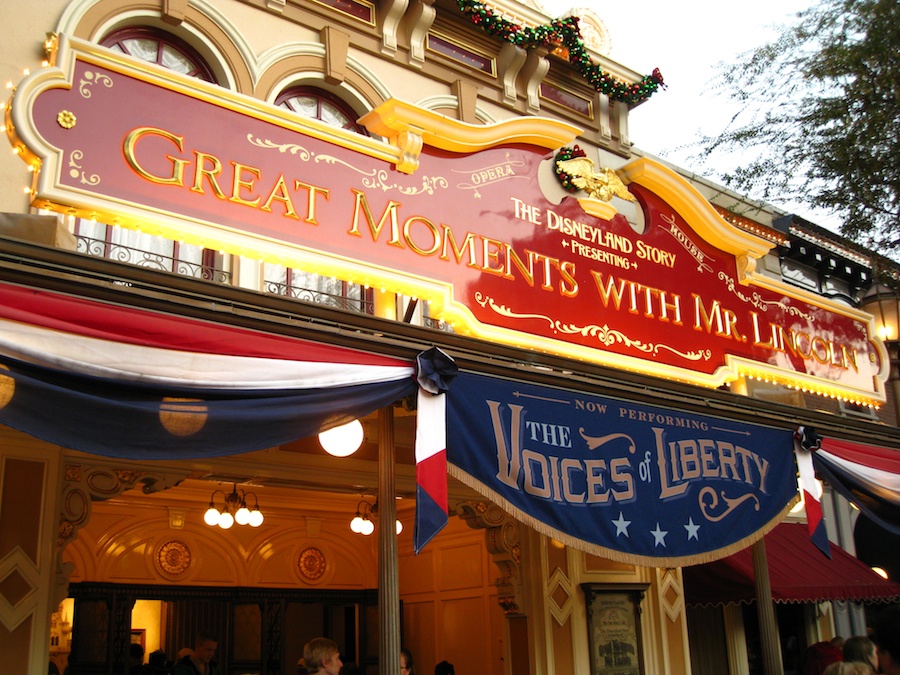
(131, 246)
(318, 104)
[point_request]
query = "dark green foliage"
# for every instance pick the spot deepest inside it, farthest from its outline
(820, 113)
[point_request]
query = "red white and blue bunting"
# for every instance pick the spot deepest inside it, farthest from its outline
(867, 475)
(124, 382)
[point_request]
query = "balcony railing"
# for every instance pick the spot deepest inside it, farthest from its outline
(361, 305)
(158, 261)
(134, 256)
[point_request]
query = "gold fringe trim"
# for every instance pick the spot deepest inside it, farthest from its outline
(613, 554)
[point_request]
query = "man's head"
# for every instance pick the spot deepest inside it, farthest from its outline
(886, 636)
(205, 647)
(444, 668)
(322, 655)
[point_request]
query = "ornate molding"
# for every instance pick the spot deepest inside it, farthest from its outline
(421, 17)
(393, 14)
(85, 483)
(509, 63)
(537, 65)
(502, 542)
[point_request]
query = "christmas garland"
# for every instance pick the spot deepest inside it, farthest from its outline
(563, 32)
(565, 178)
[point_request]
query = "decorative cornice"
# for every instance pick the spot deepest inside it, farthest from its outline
(84, 484)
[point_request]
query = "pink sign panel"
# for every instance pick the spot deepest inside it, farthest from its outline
(488, 236)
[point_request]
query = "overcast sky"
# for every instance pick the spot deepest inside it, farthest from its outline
(686, 40)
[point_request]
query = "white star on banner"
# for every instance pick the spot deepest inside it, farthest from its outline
(660, 536)
(621, 525)
(692, 530)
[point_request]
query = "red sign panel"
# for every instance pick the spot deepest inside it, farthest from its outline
(488, 236)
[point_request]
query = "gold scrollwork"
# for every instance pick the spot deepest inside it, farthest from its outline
(76, 172)
(605, 335)
(91, 78)
(283, 148)
(731, 503)
(372, 179)
(761, 303)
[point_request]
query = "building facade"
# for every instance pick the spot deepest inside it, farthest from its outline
(100, 550)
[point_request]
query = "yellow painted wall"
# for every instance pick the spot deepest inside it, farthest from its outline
(450, 609)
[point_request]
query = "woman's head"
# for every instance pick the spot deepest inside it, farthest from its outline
(860, 649)
(406, 662)
(848, 668)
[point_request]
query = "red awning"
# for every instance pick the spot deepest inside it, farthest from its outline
(798, 572)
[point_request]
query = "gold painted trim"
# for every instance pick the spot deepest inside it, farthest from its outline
(694, 208)
(597, 207)
(407, 127)
(478, 52)
(23, 135)
(393, 118)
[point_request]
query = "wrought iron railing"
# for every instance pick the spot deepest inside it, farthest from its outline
(319, 297)
(437, 324)
(133, 256)
(158, 261)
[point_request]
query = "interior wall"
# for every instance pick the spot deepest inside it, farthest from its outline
(450, 607)
(305, 541)
(28, 532)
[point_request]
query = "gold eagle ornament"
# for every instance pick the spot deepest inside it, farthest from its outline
(602, 185)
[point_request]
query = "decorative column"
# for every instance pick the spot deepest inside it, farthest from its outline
(768, 628)
(388, 584)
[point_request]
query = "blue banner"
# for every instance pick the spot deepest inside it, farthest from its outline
(635, 483)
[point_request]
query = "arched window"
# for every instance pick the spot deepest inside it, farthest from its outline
(139, 248)
(161, 48)
(319, 104)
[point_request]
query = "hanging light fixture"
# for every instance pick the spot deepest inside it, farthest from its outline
(344, 440)
(362, 521)
(235, 510)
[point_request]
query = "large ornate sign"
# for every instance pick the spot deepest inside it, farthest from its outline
(471, 218)
(635, 483)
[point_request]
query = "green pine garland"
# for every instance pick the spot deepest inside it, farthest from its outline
(564, 178)
(565, 32)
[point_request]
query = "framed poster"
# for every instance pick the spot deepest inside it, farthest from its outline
(614, 628)
(138, 637)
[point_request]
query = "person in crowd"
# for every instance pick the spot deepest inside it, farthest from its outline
(847, 668)
(444, 668)
(819, 656)
(322, 656)
(406, 662)
(301, 666)
(860, 649)
(157, 664)
(135, 658)
(886, 636)
(200, 660)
